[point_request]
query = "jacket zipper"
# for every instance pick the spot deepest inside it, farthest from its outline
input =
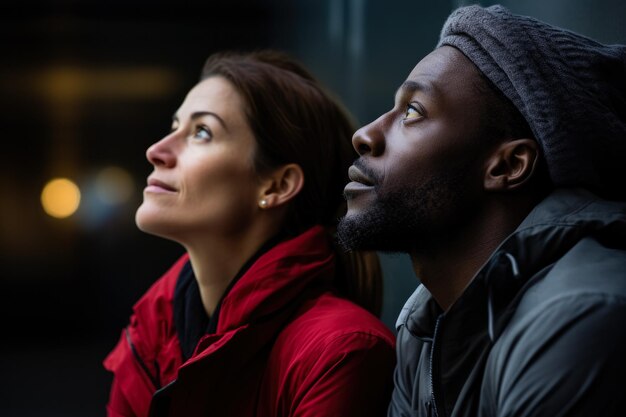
(433, 400)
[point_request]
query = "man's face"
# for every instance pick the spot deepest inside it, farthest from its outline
(420, 172)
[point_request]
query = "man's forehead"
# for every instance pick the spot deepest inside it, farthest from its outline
(440, 68)
(440, 61)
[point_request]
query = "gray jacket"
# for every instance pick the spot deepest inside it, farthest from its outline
(540, 330)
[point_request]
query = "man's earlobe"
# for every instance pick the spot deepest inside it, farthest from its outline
(282, 186)
(511, 165)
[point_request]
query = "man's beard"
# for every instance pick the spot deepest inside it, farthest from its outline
(405, 218)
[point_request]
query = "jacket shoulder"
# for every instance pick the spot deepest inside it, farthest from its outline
(328, 317)
(328, 329)
(151, 321)
(585, 281)
(564, 355)
(333, 358)
(562, 347)
(132, 359)
(590, 267)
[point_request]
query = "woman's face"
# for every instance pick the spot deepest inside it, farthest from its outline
(203, 180)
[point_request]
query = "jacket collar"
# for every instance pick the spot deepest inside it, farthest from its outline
(278, 277)
(252, 315)
(190, 318)
(552, 228)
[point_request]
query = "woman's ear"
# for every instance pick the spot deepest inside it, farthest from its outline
(511, 165)
(281, 186)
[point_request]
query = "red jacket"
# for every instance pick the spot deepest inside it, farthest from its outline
(285, 345)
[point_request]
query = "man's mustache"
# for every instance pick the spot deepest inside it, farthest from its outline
(371, 175)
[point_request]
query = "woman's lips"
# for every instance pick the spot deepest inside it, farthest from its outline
(157, 186)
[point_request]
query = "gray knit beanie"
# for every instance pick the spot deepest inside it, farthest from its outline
(570, 89)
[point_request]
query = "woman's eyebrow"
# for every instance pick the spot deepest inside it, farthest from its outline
(198, 114)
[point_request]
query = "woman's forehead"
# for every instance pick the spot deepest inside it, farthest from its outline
(215, 95)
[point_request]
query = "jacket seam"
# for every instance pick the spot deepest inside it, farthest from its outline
(601, 298)
(154, 379)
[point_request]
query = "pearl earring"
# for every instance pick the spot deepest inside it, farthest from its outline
(263, 203)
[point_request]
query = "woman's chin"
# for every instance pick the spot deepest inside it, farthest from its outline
(148, 221)
(154, 223)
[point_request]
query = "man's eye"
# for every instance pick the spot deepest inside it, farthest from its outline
(202, 133)
(412, 112)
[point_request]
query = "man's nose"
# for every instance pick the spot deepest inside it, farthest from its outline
(369, 140)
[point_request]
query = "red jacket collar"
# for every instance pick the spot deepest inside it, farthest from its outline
(277, 278)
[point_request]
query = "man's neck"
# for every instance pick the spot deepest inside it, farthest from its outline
(448, 266)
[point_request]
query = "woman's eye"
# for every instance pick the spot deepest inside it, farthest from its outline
(202, 133)
(412, 112)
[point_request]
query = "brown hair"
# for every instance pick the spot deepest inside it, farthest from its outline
(295, 120)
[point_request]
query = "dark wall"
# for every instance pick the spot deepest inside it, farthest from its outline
(89, 85)
(85, 86)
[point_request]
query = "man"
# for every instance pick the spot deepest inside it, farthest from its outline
(488, 172)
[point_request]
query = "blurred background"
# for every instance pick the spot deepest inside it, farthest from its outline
(87, 86)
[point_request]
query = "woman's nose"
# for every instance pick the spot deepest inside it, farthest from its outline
(161, 153)
(369, 140)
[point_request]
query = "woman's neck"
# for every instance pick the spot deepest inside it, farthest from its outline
(216, 260)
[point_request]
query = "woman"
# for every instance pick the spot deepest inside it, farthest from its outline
(250, 322)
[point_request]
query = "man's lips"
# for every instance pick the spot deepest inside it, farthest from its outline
(158, 186)
(361, 183)
(356, 175)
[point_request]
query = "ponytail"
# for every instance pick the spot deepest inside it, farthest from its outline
(359, 278)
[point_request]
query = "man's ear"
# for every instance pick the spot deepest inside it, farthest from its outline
(281, 186)
(511, 164)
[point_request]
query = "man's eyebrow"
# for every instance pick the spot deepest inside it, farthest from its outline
(410, 86)
(198, 114)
